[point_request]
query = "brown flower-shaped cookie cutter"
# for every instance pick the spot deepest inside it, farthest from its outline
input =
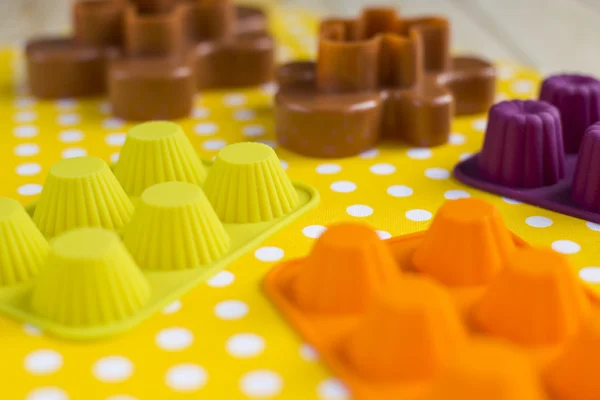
(151, 56)
(378, 76)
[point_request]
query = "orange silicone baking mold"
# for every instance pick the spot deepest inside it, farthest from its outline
(465, 310)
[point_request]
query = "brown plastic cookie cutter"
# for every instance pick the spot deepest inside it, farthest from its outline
(152, 55)
(378, 76)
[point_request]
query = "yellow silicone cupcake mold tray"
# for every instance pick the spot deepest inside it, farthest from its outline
(104, 248)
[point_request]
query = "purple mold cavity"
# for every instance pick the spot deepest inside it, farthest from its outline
(585, 189)
(577, 97)
(523, 146)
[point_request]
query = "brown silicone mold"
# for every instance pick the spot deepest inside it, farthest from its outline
(378, 76)
(152, 55)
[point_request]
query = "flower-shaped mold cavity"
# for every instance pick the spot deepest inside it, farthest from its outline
(586, 181)
(381, 347)
(156, 152)
(346, 266)
(523, 145)
(174, 227)
(377, 75)
(537, 300)
(248, 184)
(81, 192)
(577, 97)
(488, 369)
(89, 280)
(467, 244)
(148, 53)
(23, 248)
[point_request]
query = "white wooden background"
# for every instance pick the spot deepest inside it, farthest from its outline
(550, 35)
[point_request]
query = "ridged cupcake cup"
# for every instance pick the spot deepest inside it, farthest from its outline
(577, 97)
(347, 265)
(408, 334)
(523, 146)
(585, 189)
(174, 227)
(23, 248)
(537, 300)
(81, 192)
(156, 152)
(89, 280)
(466, 245)
(247, 184)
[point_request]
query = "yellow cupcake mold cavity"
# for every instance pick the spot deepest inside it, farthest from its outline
(90, 280)
(156, 152)
(248, 184)
(23, 248)
(175, 227)
(81, 192)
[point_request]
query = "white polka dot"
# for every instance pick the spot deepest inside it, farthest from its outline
(30, 189)
(522, 86)
(593, 226)
(271, 143)
(231, 309)
(372, 153)
(382, 169)
(261, 384)
(511, 201)
(566, 246)
(43, 362)
(538, 222)
(121, 397)
(221, 279)
(359, 210)
(269, 88)
(244, 115)
(419, 153)
(332, 389)
(269, 254)
(216, 144)
(105, 107)
(284, 164)
(505, 72)
(70, 136)
(113, 123)
(418, 215)
(480, 124)
(74, 152)
(200, 112)
(206, 128)
(327, 169)
(464, 156)
(32, 330)
(457, 139)
(234, 99)
(308, 353)
(343, 186)
(456, 194)
(384, 235)
(28, 169)
(47, 393)
(172, 308)
(313, 231)
(174, 339)
(112, 369)
(27, 149)
(253, 130)
(69, 119)
(65, 104)
(245, 345)
(115, 139)
(25, 116)
(590, 274)
(500, 97)
(25, 131)
(114, 157)
(399, 191)
(24, 102)
(437, 173)
(186, 377)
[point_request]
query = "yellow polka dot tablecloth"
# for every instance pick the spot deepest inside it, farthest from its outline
(224, 340)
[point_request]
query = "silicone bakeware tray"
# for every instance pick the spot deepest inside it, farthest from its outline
(542, 152)
(464, 310)
(125, 244)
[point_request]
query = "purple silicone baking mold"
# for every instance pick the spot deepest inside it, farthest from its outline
(586, 180)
